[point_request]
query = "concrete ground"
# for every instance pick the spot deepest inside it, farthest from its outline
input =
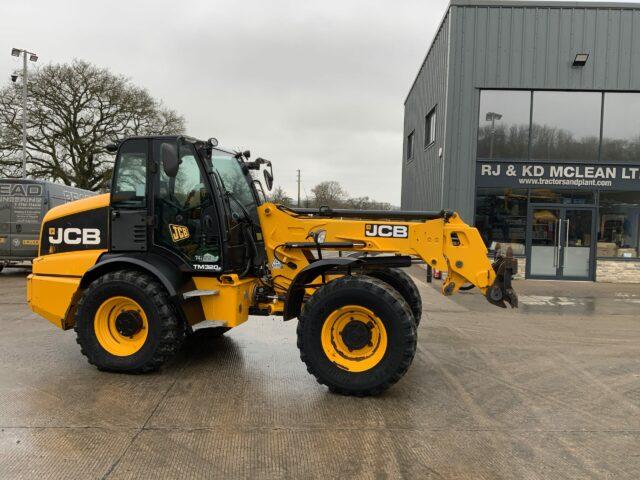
(549, 391)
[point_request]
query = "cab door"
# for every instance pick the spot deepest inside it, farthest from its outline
(129, 203)
(186, 222)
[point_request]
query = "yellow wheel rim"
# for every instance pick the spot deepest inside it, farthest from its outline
(354, 338)
(121, 326)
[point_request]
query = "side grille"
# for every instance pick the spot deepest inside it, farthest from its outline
(139, 234)
(129, 231)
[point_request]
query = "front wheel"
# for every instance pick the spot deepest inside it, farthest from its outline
(357, 335)
(125, 323)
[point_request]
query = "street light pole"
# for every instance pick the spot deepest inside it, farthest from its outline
(16, 52)
(493, 132)
(24, 114)
(492, 117)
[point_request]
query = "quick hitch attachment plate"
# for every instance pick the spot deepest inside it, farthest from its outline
(501, 292)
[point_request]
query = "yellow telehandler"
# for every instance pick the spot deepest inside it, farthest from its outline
(186, 236)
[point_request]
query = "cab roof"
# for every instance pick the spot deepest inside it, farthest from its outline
(114, 146)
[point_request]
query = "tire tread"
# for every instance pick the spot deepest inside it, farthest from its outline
(404, 284)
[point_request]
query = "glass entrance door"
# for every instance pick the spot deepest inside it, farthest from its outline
(544, 241)
(560, 242)
(577, 243)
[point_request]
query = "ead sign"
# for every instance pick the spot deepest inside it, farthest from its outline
(21, 189)
(556, 175)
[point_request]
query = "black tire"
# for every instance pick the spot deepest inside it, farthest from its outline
(405, 285)
(387, 304)
(165, 330)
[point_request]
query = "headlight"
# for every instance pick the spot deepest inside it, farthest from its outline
(322, 234)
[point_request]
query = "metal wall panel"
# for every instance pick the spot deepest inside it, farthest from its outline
(422, 176)
(508, 45)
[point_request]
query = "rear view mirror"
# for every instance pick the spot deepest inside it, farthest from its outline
(169, 158)
(268, 177)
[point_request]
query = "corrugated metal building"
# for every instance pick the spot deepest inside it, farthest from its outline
(525, 117)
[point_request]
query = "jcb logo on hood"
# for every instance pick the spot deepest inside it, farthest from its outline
(74, 236)
(386, 231)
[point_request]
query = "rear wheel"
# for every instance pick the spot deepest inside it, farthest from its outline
(125, 323)
(357, 335)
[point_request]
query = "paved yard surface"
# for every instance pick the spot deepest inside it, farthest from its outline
(550, 391)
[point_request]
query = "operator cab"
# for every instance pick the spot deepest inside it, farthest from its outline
(188, 201)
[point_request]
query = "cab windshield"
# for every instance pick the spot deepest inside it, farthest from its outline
(234, 181)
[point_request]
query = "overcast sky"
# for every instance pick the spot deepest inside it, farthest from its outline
(314, 85)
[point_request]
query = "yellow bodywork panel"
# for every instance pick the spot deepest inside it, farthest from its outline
(230, 300)
(73, 264)
(51, 297)
(77, 206)
(52, 288)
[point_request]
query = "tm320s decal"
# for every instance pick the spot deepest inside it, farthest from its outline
(386, 231)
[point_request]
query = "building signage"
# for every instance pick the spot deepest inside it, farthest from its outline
(557, 175)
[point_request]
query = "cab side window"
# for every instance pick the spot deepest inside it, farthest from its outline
(130, 177)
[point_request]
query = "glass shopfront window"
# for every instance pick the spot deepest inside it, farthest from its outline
(621, 128)
(501, 218)
(566, 126)
(619, 222)
(503, 129)
(559, 126)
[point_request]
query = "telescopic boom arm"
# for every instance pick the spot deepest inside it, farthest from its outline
(440, 239)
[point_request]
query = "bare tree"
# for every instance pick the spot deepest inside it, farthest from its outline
(365, 203)
(74, 110)
(329, 194)
(279, 196)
